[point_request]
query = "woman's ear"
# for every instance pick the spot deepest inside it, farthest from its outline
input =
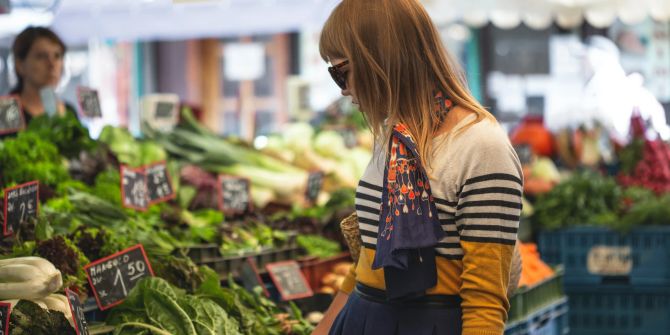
(18, 65)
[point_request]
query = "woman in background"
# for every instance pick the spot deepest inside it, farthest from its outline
(38, 61)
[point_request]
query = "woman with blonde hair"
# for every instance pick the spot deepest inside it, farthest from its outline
(439, 204)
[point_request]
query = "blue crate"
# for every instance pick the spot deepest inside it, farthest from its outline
(650, 253)
(550, 320)
(619, 310)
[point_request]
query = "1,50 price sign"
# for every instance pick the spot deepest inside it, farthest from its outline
(114, 276)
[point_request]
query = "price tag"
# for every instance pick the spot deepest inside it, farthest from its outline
(314, 184)
(250, 276)
(159, 186)
(21, 203)
(114, 276)
(234, 195)
(5, 309)
(160, 111)
(289, 280)
(610, 261)
(11, 116)
(89, 102)
(525, 153)
(134, 188)
(77, 310)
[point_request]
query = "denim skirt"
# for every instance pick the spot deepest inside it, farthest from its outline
(368, 313)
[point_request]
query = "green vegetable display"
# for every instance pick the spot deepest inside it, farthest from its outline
(65, 132)
(29, 157)
(586, 198)
(155, 307)
(318, 246)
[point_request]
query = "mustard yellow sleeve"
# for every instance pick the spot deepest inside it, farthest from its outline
(484, 288)
(487, 219)
(349, 281)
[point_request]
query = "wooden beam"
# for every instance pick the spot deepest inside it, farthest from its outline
(210, 58)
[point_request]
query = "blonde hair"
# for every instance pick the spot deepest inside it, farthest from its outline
(398, 63)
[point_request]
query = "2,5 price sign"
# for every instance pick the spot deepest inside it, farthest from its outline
(5, 309)
(20, 204)
(114, 276)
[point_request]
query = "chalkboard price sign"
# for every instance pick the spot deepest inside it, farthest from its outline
(114, 276)
(289, 280)
(89, 102)
(77, 310)
(21, 203)
(11, 117)
(234, 195)
(134, 188)
(314, 184)
(5, 309)
(250, 276)
(159, 187)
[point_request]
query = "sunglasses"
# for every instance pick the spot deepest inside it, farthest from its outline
(339, 76)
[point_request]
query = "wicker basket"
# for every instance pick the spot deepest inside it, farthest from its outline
(352, 235)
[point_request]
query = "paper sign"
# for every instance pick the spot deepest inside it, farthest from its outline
(234, 195)
(77, 310)
(21, 203)
(134, 188)
(610, 261)
(289, 280)
(5, 310)
(11, 117)
(314, 184)
(159, 186)
(250, 276)
(89, 102)
(160, 111)
(114, 276)
(49, 100)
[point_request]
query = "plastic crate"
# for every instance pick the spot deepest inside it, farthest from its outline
(314, 270)
(649, 252)
(619, 310)
(202, 252)
(550, 320)
(231, 264)
(528, 300)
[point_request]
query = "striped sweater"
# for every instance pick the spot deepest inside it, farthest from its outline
(476, 181)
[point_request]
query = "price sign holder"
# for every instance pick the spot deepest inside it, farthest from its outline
(314, 185)
(21, 202)
(160, 111)
(289, 280)
(159, 184)
(250, 276)
(5, 310)
(11, 115)
(234, 195)
(525, 153)
(77, 310)
(112, 277)
(134, 188)
(89, 103)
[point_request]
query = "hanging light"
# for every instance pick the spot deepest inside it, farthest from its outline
(632, 12)
(601, 16)
(569, 17)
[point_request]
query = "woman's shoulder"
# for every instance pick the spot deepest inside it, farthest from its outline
(482, 134)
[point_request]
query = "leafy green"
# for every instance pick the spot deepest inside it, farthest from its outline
(29, 157)
(130, 151)
(586, 198)
(318, 246)
(65, 132)
(155, 306)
